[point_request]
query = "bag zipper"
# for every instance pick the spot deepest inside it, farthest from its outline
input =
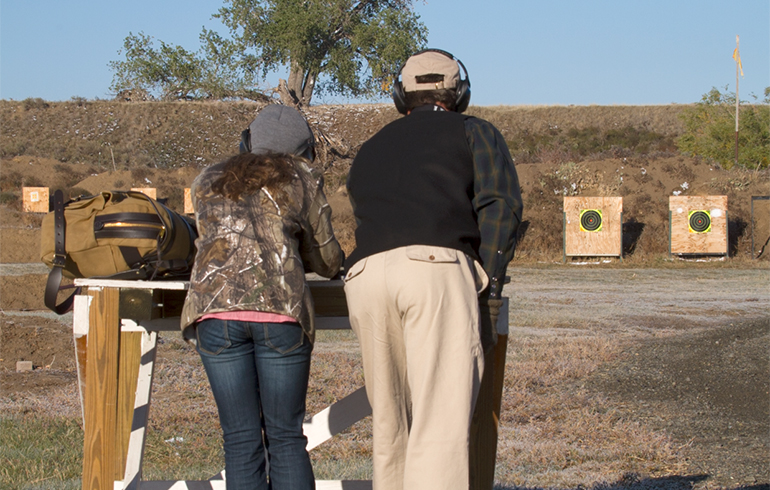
(122, 224)
(132, 228)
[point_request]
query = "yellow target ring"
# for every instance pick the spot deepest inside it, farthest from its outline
(699, 221)
(591, 220)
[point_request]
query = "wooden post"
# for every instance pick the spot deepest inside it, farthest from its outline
(80, 333)
(738, 71)
(188, 205)
(101, 398)
(128, 371)
(486, 415)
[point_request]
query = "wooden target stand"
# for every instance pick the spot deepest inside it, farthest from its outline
(697, 225)
(761, 226)
(116, 326)
(593, 227)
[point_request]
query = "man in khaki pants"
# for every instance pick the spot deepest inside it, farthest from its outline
(437, 202)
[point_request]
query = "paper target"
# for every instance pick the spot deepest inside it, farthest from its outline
(590, 220)
(699, 221)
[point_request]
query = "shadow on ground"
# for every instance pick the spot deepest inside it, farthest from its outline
(633, 482)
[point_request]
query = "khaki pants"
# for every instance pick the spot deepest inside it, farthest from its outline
(415, 311)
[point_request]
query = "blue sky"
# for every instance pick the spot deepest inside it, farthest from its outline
(536, 52)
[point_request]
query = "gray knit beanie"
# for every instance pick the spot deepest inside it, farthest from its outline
(280, 129)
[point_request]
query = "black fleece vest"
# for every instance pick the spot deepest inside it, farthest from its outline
(412, 184)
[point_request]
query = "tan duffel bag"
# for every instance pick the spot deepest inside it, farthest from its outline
(115, 234)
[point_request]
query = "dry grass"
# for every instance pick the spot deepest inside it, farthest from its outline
(117, 136)
(555, 434)
(663, 119)
(552, 432)
(111, 135)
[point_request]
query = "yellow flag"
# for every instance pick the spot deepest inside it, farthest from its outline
(737, 58)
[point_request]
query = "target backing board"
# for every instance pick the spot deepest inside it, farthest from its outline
(593, 226)
(698, 225)
(35, 199)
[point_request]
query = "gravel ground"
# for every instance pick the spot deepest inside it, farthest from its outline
(694, 360)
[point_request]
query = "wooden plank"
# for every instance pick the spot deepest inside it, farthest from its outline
(337, 417)
(35, 199)
(116, 283)
(332, 323)
(128, 371)
(184, 485)
(220, 485)
(80, 316)
(684, 240)
(329, 298)
(188, 205)
(607, 241)
(141, 413)
(343, 485)
(101, 390)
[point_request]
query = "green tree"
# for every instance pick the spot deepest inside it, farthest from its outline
(345, 47)
(355, 44)
(710, 130)
(173, 73)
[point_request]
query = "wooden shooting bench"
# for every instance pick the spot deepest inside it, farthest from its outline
(116, 326)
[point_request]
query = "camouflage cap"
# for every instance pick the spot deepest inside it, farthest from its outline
(430, 70)
(280, 129)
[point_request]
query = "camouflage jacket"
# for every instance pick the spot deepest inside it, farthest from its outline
(252, 254)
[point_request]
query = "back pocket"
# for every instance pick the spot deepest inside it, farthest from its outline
(212, 336)
(436, 255)
(357, 269)
(283, 337)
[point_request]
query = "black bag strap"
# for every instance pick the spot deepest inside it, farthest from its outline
(140, 218)
(53, 285)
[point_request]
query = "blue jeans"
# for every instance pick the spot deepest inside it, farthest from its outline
(259, 375)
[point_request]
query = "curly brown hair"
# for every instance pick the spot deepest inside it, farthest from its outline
(247, 173)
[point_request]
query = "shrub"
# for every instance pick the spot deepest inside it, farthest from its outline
(11, 180)
(581, 143)
(34, 103)
(8, 197)
(710, 131)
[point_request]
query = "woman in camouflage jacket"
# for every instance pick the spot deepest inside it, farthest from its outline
(263, 220)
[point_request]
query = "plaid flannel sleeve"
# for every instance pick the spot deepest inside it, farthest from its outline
(497, 200)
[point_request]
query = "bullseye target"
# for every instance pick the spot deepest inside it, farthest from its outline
(593, 226)
(698, 225)
(699, 221)
(590, 220)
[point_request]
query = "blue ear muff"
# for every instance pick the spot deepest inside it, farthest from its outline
(463, 88)
(245, 144)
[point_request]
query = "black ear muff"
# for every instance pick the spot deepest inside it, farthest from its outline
(463, 91)
(245, 144)
(399, 98)
(463, 88)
